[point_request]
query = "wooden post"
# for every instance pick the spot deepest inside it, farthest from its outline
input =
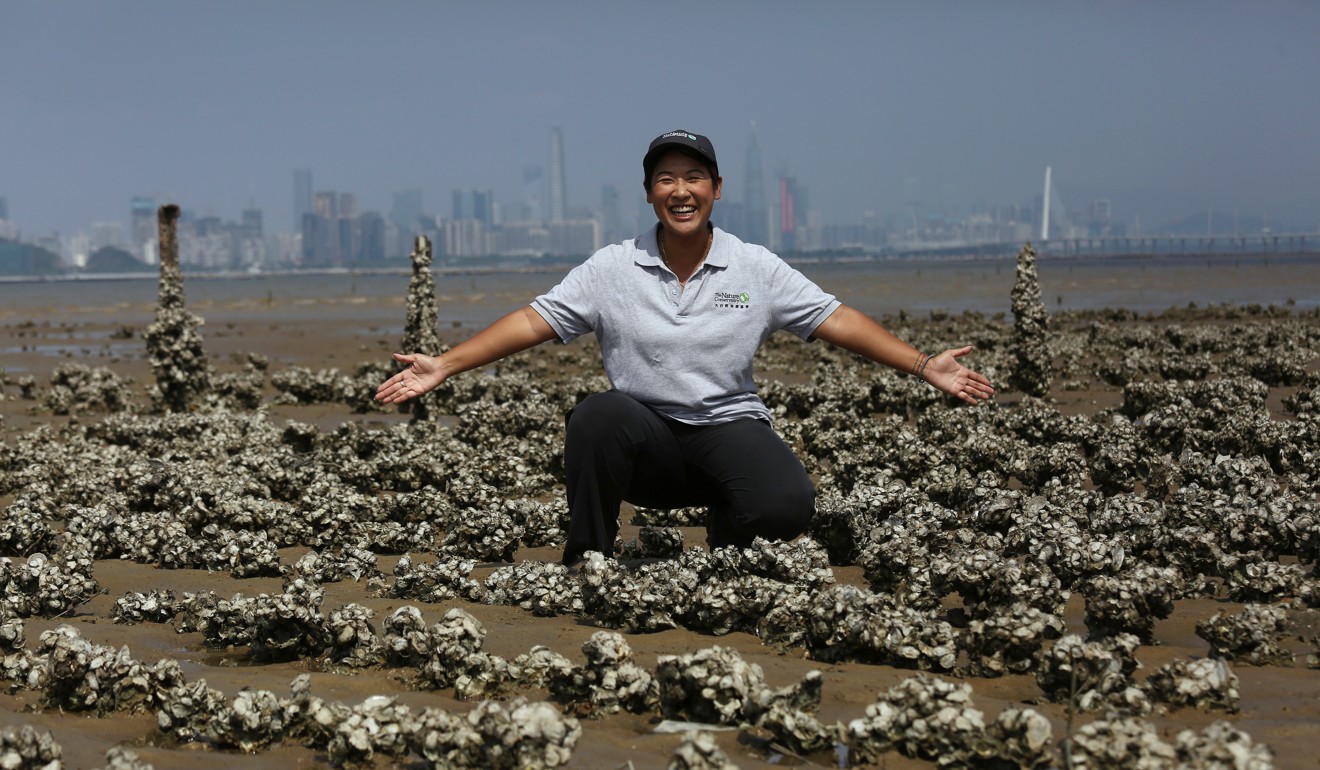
(166, 219)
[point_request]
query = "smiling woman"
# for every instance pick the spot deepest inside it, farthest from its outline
(682, 184)
(679, 312)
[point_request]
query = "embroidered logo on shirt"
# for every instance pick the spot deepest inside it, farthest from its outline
(737, 301)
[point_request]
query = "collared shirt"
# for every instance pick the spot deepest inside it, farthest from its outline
(685, 351)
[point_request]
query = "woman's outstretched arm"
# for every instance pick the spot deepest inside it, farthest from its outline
(522, 329)
(858, 333)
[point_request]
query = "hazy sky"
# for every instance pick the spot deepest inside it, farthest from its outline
(1166, 108)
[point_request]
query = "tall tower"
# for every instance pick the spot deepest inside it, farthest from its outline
(1045, 209)
(788, 215)
(757, 216)
(558, 192)
(302, 196)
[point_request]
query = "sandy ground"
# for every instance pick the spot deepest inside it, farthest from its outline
(1280, 705)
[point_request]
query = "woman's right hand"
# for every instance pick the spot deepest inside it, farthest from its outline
(423, 375)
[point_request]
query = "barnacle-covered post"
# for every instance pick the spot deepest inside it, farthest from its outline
(419, 333)
(1031, 370)
(174, 346)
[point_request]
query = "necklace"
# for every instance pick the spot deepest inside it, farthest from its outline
(660, 241)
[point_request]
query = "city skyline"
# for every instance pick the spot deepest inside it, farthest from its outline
(1162, 111)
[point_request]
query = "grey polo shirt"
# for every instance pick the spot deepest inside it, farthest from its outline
(685, 351)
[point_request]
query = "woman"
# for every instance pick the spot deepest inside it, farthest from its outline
(679, 313)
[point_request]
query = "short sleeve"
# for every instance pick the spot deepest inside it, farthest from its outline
(802, 306)
(569, 307)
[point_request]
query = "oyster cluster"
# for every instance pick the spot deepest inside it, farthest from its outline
(76, 388)
(174, 344)
(1114, 744)
(929, 718)
(609, 681)
(1031, 369)
(493, 735)
(699, 751)
(27, 748)
(1202, 683)
(46, 585)
(1251, 636)
(1094, 675)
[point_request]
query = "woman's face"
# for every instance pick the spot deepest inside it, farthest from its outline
(682, 193)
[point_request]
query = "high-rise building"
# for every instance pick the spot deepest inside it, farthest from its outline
(575, 238)
(302, 195)
(461, 208)
(558, 190)
(143, 228)
(531, 190)
(756, 216)
(326, 205)
(347, 206)
(371, 237)
(610, 226)
(107, 234)
(483, 207)
(787, 214)
(4, 208)
(406, 211)
(251, 222)
(474, 204)
(321, 234)
(466, 238)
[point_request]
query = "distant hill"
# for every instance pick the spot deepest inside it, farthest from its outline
(109, 259)
(26, 259)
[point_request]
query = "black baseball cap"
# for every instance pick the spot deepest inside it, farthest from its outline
(694, 144)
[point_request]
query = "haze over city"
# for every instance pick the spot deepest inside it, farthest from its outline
(1162, 110)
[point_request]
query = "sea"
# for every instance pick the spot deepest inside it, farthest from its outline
(880, 288)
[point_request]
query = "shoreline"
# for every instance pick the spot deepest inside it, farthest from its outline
(553, 267)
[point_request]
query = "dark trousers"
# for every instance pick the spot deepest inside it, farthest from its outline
(618, 449)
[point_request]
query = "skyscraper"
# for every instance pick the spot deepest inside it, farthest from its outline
(756, 222)
(347, 205)
(610, 226)
(532, 193)
(251, 224)
(558, 191)
(302, 195)
(142, 215)
(327, 205)
(462, 207)
(4, 208)
(787, 214)
(406, 211)
(474, 204)
(483, 207)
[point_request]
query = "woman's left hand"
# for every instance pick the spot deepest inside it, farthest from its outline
(947, 373)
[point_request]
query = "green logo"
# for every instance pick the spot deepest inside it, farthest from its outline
(740, 301)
